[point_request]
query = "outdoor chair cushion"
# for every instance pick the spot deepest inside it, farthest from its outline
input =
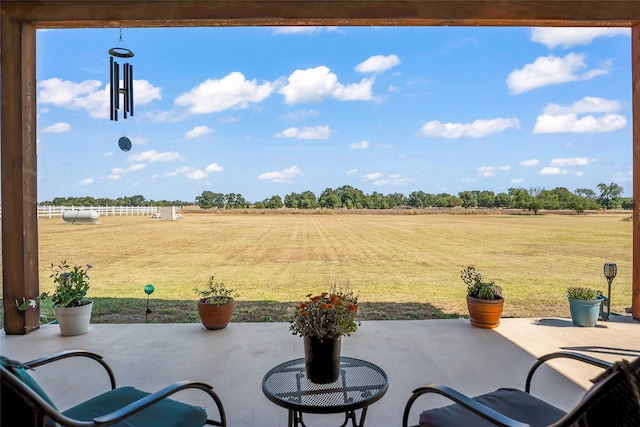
(513, 403)
(20, 371)
(181, 414)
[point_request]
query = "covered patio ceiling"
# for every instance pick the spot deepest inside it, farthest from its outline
(20, 19)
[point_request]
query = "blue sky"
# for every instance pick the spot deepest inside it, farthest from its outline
(262, 111)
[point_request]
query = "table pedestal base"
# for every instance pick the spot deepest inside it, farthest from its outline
(296, 420)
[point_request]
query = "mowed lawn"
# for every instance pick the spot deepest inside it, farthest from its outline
(401, 266)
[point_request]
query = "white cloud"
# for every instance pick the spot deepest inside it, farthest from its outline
(302, 30)
(139, 140)
(552, 171)
(114, 177)
(570, 123)
(486, 171)
(362, 145)
(213, 167)
(196, 174)
(548, 70)
(560, 119)
(286, 176)
(60, 127)
(394, 179)
(232, 90)
(89, 96)
(152, 156)
(319, 83)
(571, 161)
(567, 37)
(229, 119)
(517, 180)
(579, 173)
(373, 176)
(174, 173)
(505, 168)
(588, 104)
(377, 64)
(299, 115)
(352, 171)
(468, 180)
(318, 132)
(86, 181)
(121, 171)
(197, 132)
(476, 129)
(623, 177)
(531, 162)
(108, 154)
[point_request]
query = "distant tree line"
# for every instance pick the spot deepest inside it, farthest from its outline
(136, 200)
(347, 197)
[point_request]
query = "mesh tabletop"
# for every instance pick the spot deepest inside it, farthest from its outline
(360, 384)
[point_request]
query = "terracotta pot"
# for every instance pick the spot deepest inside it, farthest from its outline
(215, 316)
(322, 357)
(485, 313)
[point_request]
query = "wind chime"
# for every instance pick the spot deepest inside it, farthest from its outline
(120, 51)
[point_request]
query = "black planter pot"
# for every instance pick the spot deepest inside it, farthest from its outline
(322, 359)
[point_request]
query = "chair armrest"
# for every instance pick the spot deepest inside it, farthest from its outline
(464, 401)
(73, 353)
(566, 355)
(149, 400)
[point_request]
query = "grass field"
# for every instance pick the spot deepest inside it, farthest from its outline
(401, 266)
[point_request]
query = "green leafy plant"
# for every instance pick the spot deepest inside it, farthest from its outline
(71, 285)
(575, 292)
(327, 315)
(215, 292)
(477, 287)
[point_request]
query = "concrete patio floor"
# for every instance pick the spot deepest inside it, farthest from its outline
(413, 353)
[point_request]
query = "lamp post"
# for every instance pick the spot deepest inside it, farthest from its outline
(610, 271)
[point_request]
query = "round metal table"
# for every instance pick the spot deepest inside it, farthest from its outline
(360, 384)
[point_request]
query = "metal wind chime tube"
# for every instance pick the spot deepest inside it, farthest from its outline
(127, 82)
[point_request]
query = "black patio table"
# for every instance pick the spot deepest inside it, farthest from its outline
(360, 384)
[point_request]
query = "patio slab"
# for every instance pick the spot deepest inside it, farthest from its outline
(413, 353)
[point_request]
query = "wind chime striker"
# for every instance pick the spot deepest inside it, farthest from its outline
(119, 51)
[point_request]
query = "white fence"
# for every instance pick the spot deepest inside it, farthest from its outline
(56, 211)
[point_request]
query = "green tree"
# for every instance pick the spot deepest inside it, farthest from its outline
(469, 199)
(205, 200)
(329, 199)
(610, 195)
(502, 200)
(274, 202)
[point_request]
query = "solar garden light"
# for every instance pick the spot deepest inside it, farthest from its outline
(148, 289)
(610, 271)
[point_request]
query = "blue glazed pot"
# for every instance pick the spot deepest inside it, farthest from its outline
(584, 312)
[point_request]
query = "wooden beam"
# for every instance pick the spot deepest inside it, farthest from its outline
(175, 13)
(635, 88)
(18, 153)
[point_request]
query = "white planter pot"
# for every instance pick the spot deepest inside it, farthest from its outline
(74, 320)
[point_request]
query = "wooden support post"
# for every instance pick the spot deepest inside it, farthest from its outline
(635, 89)
(19, 178)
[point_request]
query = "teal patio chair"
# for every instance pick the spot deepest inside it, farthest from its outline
(613, 401)
(24, 403)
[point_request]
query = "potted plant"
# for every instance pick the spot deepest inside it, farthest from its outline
(584, 304)
(322, 320)
(215, 305)
(70, 305)
(484, 299)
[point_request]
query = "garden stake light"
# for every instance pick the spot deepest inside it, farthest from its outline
(610, 271)
(148, 289)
